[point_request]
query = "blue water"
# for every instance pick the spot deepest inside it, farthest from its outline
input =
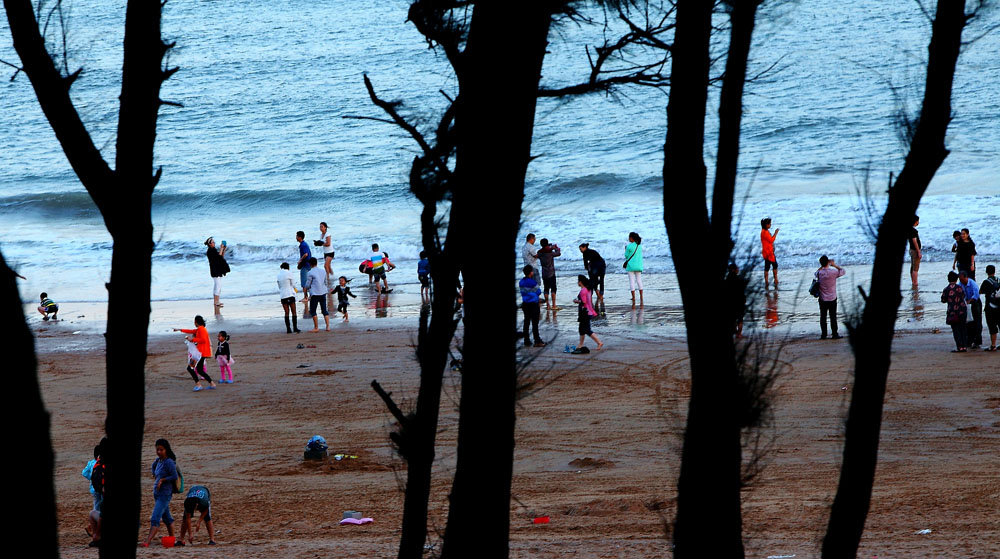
(260, 148)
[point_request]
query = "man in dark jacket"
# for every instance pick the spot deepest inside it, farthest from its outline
(546, 258)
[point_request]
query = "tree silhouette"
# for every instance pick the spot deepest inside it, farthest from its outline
(871, 338)
(709, 519)
(124, 197)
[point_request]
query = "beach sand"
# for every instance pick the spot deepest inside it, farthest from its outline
(603, 469)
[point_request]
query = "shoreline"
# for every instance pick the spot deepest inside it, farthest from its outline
(788, 312)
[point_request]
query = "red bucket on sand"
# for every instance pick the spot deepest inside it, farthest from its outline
(168, 541)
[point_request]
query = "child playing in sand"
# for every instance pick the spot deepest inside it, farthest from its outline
(224, 358)
(48, 307)
(424, 275)
(342, 292)
(198, 499)
(585, 312)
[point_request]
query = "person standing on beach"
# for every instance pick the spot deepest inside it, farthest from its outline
(546, 258)
(827, 276)
(989, 292)
(595, 265)
(303, 266)
(965, 254)
(224, 357)
(326, 243)
(286, 291)
(317, 289)
(423, 276)
(164, 473)
(529, 252)
(954, 296)
(736, 298)
(767, 249)
(218, 267)
(585, 311)
(974, 336)
(200, 337)
(633, 264)
(913, 243)
(529, 305)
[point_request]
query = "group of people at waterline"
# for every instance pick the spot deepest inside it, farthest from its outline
(968, 302)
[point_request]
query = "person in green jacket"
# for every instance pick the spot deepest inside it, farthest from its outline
(633, 264)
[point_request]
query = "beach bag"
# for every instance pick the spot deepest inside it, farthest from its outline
(179, 481)
(814, 288)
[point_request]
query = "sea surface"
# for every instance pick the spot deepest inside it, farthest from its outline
(261, 147)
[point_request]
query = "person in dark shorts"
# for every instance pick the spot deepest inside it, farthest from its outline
(342, 292)
(767, 249)
(198, 499)
(595, 265)
(546, 258)
(424, 275)
(286, 290)
(529, 305)
(316, 288)
(989, 293)
(585, 311)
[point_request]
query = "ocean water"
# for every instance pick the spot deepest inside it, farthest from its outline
(261, 149)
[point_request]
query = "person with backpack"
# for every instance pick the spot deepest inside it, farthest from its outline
(955, 315)
(989, 292)
(827, 276)
(166, 479)
(529, 305)
(95, 473)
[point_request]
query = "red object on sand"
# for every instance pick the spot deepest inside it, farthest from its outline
(541, 520)
(168, 541)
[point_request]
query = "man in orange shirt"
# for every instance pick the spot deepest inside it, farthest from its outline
(767, 250)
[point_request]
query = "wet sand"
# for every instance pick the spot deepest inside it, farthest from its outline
(604, 469)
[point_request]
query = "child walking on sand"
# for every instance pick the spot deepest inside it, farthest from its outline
(342, 292)
(224, 358)
(47, 307)
(586, 312)
(424, 275)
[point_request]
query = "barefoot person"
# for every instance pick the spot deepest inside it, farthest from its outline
(197, 499)
(546, 259)
(218, 267)
(585, 311)
(595, 265)
(767, 249)
(914, 246)
(286, 291)
(633, 264)
(325, 242)
(164, 474)
(317, 290)
(303, 266)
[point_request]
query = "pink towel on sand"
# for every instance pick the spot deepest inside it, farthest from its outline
(356, 521)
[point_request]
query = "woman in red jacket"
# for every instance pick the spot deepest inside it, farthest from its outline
(201, 339)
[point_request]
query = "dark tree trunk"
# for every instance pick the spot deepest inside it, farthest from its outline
(433, 345)
(499, 84)
(709, 520)
(124, 197)
(872, 339)
(31, 435)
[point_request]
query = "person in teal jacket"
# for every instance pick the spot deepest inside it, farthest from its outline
(633, 264)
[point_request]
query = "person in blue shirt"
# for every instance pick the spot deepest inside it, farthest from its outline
(164, 473)
(305, 253)
(424, 275)
(529, 305)
(975, 328)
